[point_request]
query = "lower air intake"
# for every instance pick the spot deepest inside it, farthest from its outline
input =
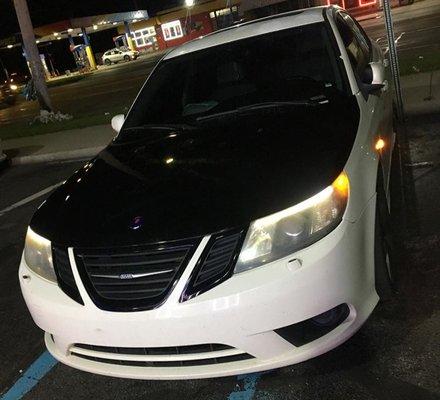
(180, 356)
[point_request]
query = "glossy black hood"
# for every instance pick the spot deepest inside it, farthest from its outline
(155, 186)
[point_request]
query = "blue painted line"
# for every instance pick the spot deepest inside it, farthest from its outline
(249, 387)
(30, 378)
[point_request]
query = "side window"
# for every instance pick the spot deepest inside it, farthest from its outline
(356, 44)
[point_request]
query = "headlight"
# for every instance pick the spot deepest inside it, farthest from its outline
(13, 87)
(287, 231)
(38, 255)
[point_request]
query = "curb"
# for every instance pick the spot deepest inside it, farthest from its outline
(368, 17)
(58, 156)
(4, 162)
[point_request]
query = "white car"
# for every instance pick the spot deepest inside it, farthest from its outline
(122, 54)
(253, 170)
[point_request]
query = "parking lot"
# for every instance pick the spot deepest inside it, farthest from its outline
(394, 356)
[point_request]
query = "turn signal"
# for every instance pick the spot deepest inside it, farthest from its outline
(380, 144)
(341, 184)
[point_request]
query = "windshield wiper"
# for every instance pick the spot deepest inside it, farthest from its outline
(315, 101)
(162, 127)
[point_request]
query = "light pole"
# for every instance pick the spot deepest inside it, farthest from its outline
(394, 60)
(189, 5)
(32, 54)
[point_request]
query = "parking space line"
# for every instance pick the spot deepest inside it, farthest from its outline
(30, 198)
(30, 378)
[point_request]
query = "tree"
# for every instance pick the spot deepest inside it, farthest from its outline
(32, 54)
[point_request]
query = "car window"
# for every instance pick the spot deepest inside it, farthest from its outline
(356, 42)
(289, 65)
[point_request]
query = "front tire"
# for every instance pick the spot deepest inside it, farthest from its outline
(127, 58)
(107, 61)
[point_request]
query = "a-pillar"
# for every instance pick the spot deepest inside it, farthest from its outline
(89, 51)
(128, 36)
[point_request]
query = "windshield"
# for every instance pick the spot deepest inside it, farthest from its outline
(289, 67)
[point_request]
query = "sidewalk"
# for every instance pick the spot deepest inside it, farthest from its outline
(418, 98)
(71, 144)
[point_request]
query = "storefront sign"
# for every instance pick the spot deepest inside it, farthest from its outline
(172, 30)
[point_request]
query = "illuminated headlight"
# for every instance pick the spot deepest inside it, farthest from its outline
(38, 255)
(13, 87)
(287, 231)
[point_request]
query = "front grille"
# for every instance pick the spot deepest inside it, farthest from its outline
(132, 278)
(66, 280)
(180, 356)
(216, 263)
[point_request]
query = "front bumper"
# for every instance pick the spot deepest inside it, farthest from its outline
(242, 312)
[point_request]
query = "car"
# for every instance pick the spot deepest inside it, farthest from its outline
(121, 54)
(239, 220)
(8, 92)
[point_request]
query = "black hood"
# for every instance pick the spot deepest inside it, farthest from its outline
(160, 185)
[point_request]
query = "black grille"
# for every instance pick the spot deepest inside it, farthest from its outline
(185, 363)
(216, 263)
(166, 351)
(64, 273)
(133, 278)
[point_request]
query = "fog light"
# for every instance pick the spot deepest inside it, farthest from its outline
(331, 317)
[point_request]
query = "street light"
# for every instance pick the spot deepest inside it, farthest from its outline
(188, 4)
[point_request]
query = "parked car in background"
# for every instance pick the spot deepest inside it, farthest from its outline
(254, 173)
(122, 54)
(9, 92)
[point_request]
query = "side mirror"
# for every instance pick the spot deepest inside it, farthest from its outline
(373, 77)
(117, 122)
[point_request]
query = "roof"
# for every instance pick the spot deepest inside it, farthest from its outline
(253, 28)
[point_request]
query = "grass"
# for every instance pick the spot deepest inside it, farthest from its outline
(22, 129)
(421, 61)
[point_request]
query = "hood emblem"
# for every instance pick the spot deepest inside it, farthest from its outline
(136, 223)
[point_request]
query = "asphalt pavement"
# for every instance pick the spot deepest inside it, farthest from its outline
(109, 88)
(416, 27)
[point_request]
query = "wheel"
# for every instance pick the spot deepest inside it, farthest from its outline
(385, 277)
(127, 58)
(107, 61)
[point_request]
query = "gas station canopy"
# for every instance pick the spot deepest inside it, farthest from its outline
(73, 26)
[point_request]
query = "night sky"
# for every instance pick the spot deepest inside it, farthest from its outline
(47, 11)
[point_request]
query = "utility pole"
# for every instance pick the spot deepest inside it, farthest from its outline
(32, 54)
(394, 61)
